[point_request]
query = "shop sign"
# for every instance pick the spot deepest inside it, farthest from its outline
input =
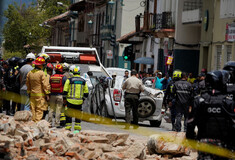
(230, 32)
(109, 54)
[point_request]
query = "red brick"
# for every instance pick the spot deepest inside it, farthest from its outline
(32, 148)
(78, 157)
(71, 154)
(30, 141)
(18, 145)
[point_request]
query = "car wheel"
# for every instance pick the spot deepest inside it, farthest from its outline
(146, 108)
(155, 123)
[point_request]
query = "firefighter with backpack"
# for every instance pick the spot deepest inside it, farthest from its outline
(57, 82)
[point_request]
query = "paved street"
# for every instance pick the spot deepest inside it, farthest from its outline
(165, 127)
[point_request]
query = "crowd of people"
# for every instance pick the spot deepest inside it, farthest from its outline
(206, 102)
(38, 86)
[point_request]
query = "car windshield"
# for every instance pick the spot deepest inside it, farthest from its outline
(119, 82)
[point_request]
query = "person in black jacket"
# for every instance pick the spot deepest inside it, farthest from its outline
(169, 97)
(212, 113)
(230, 67)
(12, 85)
(183, 100)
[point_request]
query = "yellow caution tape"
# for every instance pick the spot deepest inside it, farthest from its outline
(208, 148)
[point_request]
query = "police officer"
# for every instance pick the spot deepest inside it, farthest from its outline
(76, 90)
(183, 92)
(132, 86)
(12, 87)
(212, 113)
(2, 88)
(169, 97)
(230, 67)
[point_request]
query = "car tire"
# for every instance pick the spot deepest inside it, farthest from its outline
(146, 108)
(155, 123)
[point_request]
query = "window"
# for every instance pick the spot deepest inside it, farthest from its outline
(72, 30)
(218, 57)
(228, 53)
(227, 9)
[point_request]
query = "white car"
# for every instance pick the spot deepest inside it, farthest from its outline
(149, 108)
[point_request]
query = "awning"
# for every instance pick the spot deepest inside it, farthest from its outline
(78, 6)
(64, 16)
(144, 60)
(126, 38)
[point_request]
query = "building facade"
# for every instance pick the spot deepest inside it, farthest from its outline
(217, 34)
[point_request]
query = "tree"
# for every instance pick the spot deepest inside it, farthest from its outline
(22, 27)
(51, 8)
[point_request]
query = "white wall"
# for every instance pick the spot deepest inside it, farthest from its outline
(185, 33)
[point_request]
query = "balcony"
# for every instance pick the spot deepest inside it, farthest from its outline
(159, 21)
(192, 12)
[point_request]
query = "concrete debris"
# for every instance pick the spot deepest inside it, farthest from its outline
(21, 138)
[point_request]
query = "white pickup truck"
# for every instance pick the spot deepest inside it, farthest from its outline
(86, 58)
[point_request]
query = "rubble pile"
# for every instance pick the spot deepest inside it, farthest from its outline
(21, 138)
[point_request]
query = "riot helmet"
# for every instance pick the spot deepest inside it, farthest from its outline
(13, 61)
(217, 80)
(177, 74)
(230, 66)
(21, 62)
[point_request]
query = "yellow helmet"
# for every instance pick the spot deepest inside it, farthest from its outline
(177, 74)
(45, 56)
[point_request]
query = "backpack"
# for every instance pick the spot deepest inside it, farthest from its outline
(56, 83)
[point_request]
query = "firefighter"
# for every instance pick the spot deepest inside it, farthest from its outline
(76, 90)
(38, 89)
(213, 114)
(57, 82)
(48, 72)
(66, 72)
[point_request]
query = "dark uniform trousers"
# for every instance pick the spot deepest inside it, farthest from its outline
(131, 103)
(181, 110)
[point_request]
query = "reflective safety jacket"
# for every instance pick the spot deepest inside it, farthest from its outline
(57, 83)
(37, 83)
(76, 89)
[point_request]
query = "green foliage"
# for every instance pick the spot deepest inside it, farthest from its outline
(22, 27)
(51, 8)
(8, 55)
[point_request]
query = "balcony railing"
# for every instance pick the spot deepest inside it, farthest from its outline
(160, 21)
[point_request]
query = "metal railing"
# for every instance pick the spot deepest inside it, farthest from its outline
(161, 21)
(192, 5)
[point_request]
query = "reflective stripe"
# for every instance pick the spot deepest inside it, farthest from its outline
(37, 94)
(62, 119)
(78, 124)
(183, 91)
(62, 114)
(74, 98)
(71, 90)
(77, 127)
(81, 91)
(74, 89)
